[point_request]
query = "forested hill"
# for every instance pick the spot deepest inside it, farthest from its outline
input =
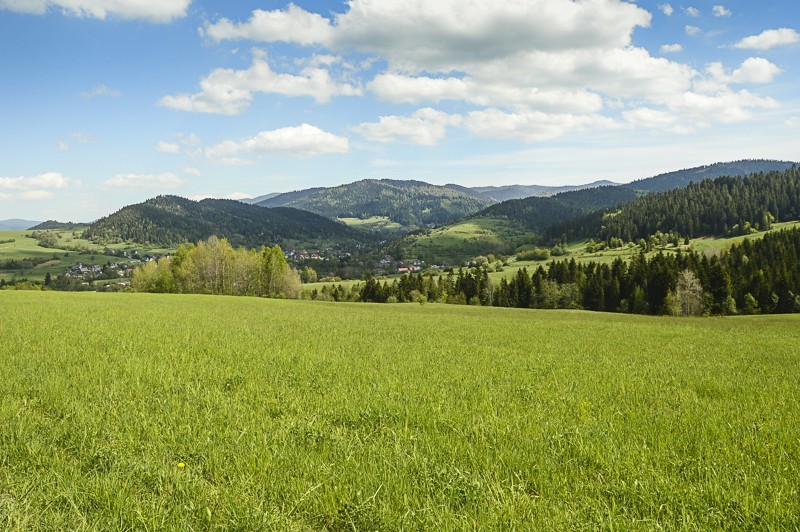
(171, 220)
(537, 213)
(412, 204)
(719, 207)
(53, 224)
(682, 178)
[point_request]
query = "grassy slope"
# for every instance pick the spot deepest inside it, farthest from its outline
(472, 237)
(26, 247)
(302, 415)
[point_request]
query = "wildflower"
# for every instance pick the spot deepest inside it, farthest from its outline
(181, 465)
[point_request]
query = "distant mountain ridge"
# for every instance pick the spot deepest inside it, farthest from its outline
(510, 192)
(682, 178)
(412, 204)
(172, 220)
(15, 224)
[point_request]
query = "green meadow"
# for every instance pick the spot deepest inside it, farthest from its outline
(153, 412)
(19, 245)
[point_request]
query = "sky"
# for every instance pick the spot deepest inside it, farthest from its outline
(105, 103)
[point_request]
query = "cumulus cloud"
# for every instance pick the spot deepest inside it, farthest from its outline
(671, 48)
(192, 171)
(428, 35)
(300, 142)
(400, 88)
(753, 70)
(38, 187)
(161, 11)
(168, 147)
(532, 126)
(229, 92)
(63, 146)
(101, 90)
(693, 12)
(293, 25)
(166, 180)
(721, 11)
(425, 127)
(46, 180)
(532, 70)
(769, 39)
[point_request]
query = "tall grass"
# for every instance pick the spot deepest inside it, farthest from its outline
(135, 411)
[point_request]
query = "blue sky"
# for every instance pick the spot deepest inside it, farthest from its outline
(104, 103)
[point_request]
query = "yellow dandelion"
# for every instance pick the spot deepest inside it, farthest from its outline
(181, 465)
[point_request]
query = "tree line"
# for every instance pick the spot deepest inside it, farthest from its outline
(756, 276)
(213, 266)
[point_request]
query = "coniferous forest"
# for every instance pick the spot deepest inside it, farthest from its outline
(756, 276)
(724, 206)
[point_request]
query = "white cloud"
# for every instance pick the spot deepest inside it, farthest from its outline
(63, 146)
(721, 11)
(650, 118)
(293, 25)
(192, 171)
(431, 36)
(792, 122)
(693, 12)
(769, 39)
(425, 127)
(47, 180)
(37, 187)
(168, 147)
(399, 88)
(229, 92)
(532, 126)
(755, 70)
(671, 48)
(166, 180)
(752, 70)
(100, 90)
(301, 142)
(533, 70)
(725, 106)
(161, 11)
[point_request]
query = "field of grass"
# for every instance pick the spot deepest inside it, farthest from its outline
(378, 224)
(134, 411)
(456, 242)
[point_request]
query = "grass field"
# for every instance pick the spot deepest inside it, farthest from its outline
(456, 242)
(133, 411)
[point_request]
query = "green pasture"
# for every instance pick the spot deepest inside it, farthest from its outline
(25, 247)
(158, 412)
(476, 236)
(380, 224)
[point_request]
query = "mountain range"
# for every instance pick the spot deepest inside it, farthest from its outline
(16, 224)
